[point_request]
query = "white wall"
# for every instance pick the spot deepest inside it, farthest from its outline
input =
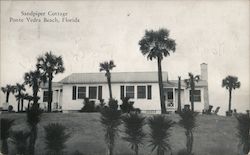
(143, 104)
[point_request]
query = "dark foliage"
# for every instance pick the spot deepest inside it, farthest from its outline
(134, 133)
(188, 122)
(160, 133)
(55, 138)
(5, 133)
(111, 119)
(244, 131)
(89, 106)
(33, 114)
(20, 139)
(101, 106)
(10, 108)
(126, 105)
(77, 153)
(184, 152)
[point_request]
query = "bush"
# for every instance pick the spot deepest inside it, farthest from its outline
(55, 138)
(20, 140)
(5, 133)
(159, 133)
(89, 106)
(244, 131)
(126, 105)
(111, 119)
(10, 108)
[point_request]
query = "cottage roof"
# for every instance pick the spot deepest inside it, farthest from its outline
(116, 77)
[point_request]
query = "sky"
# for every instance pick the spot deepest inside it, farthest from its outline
(213, 32)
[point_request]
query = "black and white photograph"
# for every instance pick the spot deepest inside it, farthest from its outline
(125, 77)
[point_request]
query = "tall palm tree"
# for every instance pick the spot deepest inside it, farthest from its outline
(107, 67)
(20, 98)
(159, 133)
(134, 133)
(50, 65)
(5, 133)
(191, 84)
(19, 88)
(8, 89)
(111, 119)
(34, 79)
(33, 115)
(157, 45)
(230, 82)
(28, 98)
(188, 122)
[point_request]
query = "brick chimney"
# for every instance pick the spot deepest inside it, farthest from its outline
(204, 77)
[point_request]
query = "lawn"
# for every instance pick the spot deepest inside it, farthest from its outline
(215, 135)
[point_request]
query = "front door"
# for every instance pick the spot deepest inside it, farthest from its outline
(169, 98)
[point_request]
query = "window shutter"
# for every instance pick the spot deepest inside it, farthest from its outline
(149, 92)
(122, 92)
(74, 93)
(99, 92)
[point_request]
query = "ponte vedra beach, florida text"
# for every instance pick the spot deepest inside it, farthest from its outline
(45, 17)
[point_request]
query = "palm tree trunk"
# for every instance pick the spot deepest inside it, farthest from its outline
(7, 97)
(110, 150)
(163, 106)
(18, 105)
(4, 147)
(192, 96)
(22, 104)
(230, 100)
(136, 150)
(179, 95)
(33, 136)
(109, 84)
(50, 93)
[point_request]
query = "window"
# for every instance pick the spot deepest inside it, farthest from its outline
(99, 92)
(141, 92)
(122, 92)
(197, 95)
(45, 96)
(149, 92)
(74, 93)
(81, 92)
(130, 91)
(92, 92)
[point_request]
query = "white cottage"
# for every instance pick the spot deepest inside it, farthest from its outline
(141, 87)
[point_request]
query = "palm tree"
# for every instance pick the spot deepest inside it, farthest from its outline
(244, 131)
(19, 88)
(191, 84)
(159, 133)
(55, 138)
(230, 82)
(50, 65)
(8, 89)
(188, 122)
(111, 119)
(34, 79)
(107, 67)
(179, 94)
(157, 45)
(133, 123)
(33, 118)
(5, 133)
(20, 140)
(20, 97)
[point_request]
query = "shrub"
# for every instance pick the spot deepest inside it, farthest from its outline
(89, 106)
(5, 133)
(111, 119)
(159, 133)
(55, 138)
(126, 105)
(33, 115)
(188, 122)
(20, 140)
(134, 133)
(101, 105)
(10, 108)
(244, 131)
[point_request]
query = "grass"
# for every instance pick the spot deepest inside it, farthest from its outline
(215, 135)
